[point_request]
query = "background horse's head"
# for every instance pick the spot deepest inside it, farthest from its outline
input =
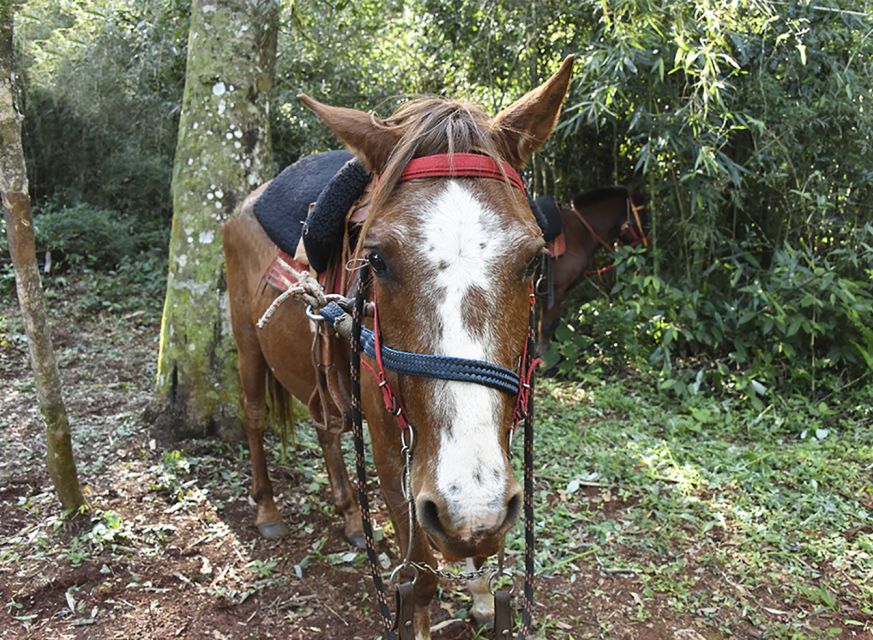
(452, 260)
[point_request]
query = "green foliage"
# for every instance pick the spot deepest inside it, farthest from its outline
(108, 529)
(750, 328)
(745, 119)
(103, 86)
(752, 128)
(748, 122)
(82, 235)
(674, 490)
(134, 286)
(171, 474)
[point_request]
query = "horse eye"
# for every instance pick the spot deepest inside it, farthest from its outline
(531, 268)
(377, 262)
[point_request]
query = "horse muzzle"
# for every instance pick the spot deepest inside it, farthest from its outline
(463, 531)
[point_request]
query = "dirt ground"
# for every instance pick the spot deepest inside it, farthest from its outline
(169, 548)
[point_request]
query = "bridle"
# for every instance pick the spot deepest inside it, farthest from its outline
(633, 227)
(346, 317)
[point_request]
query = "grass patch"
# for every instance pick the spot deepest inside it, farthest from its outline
(720, 510)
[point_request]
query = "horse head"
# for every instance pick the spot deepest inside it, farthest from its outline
(452, 261)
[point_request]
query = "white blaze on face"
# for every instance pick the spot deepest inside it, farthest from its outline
(464, 243)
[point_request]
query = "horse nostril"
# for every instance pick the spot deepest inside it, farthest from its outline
(429, 518)
(513, 507)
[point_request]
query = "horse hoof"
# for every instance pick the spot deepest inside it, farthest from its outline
(357, 540)
(273, 530)
(482, 620)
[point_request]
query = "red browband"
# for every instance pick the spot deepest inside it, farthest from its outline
(461, 165)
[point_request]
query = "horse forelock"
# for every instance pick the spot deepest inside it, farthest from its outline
(432, 126)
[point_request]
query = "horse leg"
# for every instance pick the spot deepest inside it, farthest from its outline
(549, 321)
(341, 488)
(252, 376)
(482, 610)
(252, 371)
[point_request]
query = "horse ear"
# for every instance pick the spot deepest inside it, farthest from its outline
(363, 133)
(523, 126)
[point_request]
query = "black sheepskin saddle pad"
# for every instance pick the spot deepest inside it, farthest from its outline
(548, 217)
(333, 180)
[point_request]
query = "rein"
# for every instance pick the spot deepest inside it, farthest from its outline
(590, 228)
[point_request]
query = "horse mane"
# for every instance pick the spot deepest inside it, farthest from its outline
(431, 126)
(593, 196)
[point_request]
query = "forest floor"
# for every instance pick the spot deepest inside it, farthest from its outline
(655, 519)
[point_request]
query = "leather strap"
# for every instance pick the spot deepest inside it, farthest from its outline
(503, 615)
(404, 596)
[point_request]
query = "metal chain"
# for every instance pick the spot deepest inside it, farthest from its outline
(406, 490)
(461, 576)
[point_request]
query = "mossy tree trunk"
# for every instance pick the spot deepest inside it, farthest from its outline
(223, 152)
(19, 231)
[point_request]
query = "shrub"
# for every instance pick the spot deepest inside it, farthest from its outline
(789, 324)
(82, 235)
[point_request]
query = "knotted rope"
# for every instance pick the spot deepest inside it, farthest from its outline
(307, 289)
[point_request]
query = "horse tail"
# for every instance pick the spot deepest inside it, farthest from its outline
(280, 409)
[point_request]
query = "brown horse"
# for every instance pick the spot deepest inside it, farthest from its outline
(595, 220)
(452, 263)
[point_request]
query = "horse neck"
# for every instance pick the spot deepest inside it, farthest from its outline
(581, 245)
(603, 216)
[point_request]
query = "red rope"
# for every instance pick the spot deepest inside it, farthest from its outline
(389, 398)
(527, 368)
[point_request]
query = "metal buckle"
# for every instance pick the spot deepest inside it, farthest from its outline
(499, 573)
(541, 288)
(399, 568)
(404, 445)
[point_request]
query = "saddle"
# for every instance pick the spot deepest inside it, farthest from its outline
(304, 211)
(309, 200)
(551, 224)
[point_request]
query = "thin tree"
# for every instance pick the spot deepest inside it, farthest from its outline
(223, 152)
(22, 247)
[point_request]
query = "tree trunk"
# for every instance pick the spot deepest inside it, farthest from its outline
(19, 232)
(223, 152)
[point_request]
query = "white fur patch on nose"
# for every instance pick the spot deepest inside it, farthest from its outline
(463, 244)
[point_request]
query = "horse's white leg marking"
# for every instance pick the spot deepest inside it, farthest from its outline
(463, 244)
(421, 623)
(483, 602)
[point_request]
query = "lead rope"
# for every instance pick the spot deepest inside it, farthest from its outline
(529, 538)
(360, 462)
(502, 597)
